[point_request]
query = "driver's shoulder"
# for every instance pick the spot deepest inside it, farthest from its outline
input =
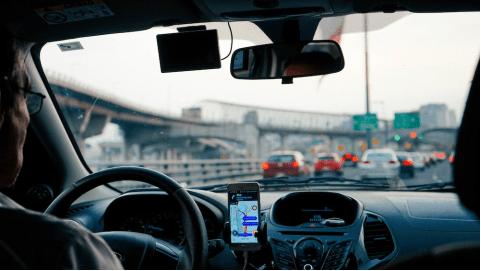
(52, 242)
(59, 228)
(15, 218)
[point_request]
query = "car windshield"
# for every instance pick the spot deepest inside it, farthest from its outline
(206, 128)
(379, 157)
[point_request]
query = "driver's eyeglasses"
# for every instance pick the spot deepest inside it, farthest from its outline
(34, 102)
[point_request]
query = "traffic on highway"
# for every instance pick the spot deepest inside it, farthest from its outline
(397, 171)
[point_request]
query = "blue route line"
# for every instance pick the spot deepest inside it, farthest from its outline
(155, 228)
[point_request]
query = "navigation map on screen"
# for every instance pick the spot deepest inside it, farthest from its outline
(244, 216)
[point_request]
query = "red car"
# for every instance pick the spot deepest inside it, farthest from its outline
(328, 162)
(287, 163)
(349, 159)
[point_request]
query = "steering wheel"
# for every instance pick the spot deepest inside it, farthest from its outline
(138, 250)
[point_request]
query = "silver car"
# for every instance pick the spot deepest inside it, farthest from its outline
(418, 161)
(379, 163)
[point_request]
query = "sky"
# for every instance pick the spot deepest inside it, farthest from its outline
(418, 59)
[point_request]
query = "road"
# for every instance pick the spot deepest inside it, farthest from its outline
(439, 172)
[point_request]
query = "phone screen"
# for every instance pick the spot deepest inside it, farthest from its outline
(244, 216)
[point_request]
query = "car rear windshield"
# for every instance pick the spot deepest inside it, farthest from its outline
(326, 158)
(379, 157)
(402, 157)
(282, 158)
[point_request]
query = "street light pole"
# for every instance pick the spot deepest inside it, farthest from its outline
(386, 122)
(368, 132)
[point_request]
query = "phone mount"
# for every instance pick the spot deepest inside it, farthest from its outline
(261, 233)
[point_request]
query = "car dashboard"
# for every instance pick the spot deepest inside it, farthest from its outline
(305, 230)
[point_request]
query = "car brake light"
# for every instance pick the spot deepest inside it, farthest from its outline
(354, 159)
(366, 162)
(407, 163)
(451, 159)
(343, 159)
(265, 166)
(295, 164)
(348, 155)
(392, 162)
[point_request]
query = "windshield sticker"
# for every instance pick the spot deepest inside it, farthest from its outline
(70, 46)
(74, 12)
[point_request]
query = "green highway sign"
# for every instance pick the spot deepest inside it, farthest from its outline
(406, 120)
(364, 122)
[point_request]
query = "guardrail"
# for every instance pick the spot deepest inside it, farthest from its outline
(190, 172)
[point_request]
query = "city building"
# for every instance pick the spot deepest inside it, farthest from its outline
(452, 119)
(437, 116)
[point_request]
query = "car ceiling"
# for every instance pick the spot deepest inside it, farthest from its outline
(135, 15)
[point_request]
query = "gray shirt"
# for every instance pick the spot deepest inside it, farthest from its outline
(46, 242)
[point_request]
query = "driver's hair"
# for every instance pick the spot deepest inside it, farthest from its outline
(12, 67)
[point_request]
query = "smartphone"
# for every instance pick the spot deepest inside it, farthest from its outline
(244, 213)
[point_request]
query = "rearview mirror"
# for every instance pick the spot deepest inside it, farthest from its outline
(287, 60)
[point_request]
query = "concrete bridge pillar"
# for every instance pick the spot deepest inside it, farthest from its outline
(251, 135)
(184, 157)
(174, 154)
(285, 142)
(268, 144)
(171, 154)
(158, 154)
(333, 142)
(87, 125)
(132, 151)
(135, 152)
(104, 156)
(262, 146)
(126, 151)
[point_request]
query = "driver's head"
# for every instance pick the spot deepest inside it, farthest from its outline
(14, 118)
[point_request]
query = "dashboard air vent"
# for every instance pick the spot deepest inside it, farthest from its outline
(76, 209)
(377, 238)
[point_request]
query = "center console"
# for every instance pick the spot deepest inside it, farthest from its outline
(314, 230)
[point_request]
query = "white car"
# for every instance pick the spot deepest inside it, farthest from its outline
(418, 161)
(379, 163)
